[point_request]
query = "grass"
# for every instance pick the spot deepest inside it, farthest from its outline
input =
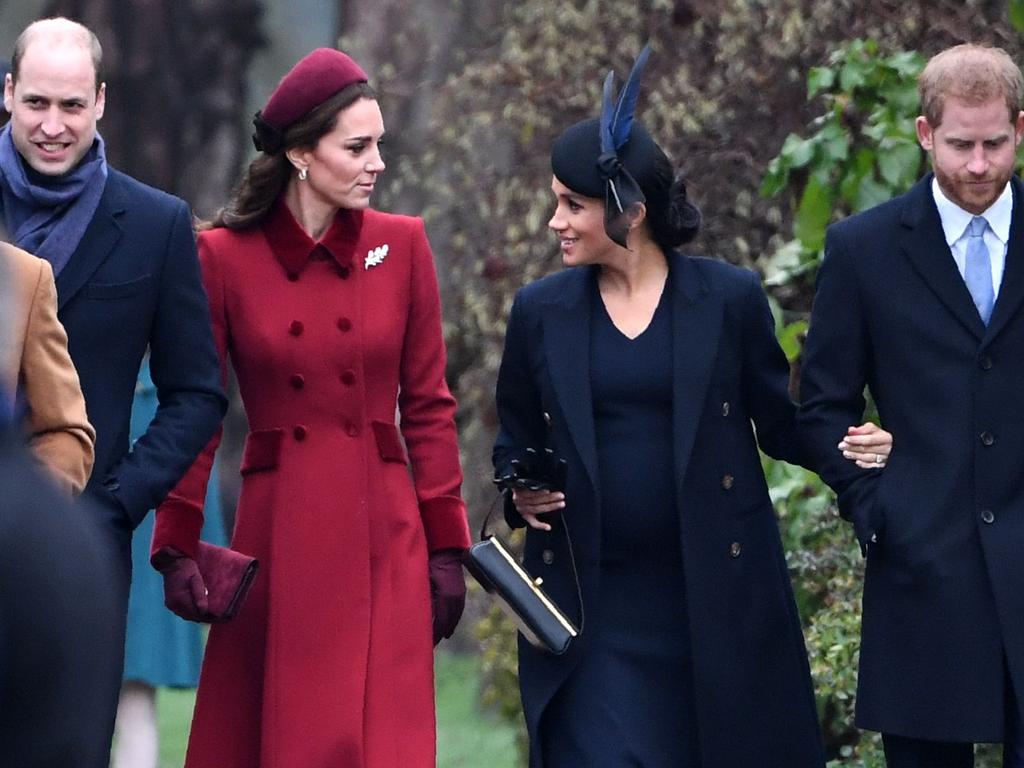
(466, 737)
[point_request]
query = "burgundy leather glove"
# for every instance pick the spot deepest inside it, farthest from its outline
(184, 590)
(447, 591)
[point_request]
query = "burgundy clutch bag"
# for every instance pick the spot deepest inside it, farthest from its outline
(228, 576)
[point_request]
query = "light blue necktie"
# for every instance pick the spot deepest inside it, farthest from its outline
(978, 271)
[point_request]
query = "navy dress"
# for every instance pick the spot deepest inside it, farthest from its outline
(629, 702)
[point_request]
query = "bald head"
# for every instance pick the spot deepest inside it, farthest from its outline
(58, 32)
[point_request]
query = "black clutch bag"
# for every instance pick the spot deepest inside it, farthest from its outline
(520, 595)
(536, 616)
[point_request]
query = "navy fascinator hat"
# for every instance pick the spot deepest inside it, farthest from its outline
(612, 156)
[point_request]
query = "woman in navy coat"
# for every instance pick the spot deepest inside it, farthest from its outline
(656, 376)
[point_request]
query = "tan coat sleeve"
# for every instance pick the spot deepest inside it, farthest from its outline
(59, 433)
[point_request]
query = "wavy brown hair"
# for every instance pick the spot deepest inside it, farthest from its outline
(267, 176)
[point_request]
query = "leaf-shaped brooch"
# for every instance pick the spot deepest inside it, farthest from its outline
(375, 256)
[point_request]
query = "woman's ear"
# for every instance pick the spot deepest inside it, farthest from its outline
(636, 214)
(299, 158)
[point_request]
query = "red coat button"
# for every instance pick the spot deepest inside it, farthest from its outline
(293, 276)
(348, 378)
(351, 429)
(297, 381)
(295, 329)
(344, 324)
(299, 432)
(344, 272)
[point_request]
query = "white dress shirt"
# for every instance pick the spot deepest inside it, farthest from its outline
(997, 236)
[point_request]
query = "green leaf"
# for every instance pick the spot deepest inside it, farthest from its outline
(797, 151)
(813, 214)
(1016, 10)
(775, 178)
(870, 193)
(899, 164)
(819, 79)
(852, 75)
(790, 340)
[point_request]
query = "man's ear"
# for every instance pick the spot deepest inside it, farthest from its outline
(101, 100)
(925, 133)
(8, 93)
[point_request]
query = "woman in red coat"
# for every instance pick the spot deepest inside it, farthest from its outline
(330, 315)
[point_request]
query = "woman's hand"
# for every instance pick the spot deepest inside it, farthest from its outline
(868, 445)
(529, 504)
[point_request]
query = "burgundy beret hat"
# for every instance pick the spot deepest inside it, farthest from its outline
(311, 82)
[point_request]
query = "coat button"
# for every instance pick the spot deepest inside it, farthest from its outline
(351, 429)
(344, 324)
(987, 438)
(725, 408)
(547, 556)
(299, 432)
(735, 549)
(293, 276)
(297, 381)
(987, 516)
(344, 272)
(547, 418)
(727, 482)
(985, 363)
(348, 378)
(295, 329)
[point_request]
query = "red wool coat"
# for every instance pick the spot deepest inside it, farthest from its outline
(330, 662)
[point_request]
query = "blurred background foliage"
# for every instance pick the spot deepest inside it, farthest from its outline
(784, 115)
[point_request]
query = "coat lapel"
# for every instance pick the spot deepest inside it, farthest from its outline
(99, 240)
(924, 244)
(1011, 290)
(696, 328)
(567, 349)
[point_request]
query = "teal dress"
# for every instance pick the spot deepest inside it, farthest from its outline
(161, 649)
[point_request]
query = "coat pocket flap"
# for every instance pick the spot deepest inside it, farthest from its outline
(262, 450)
(117, 290)
(389, 442)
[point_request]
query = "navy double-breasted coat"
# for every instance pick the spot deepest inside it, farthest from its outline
(753, 695)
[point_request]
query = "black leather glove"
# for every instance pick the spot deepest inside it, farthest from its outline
(534, 471)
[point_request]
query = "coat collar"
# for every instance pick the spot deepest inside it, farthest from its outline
(923, 241)
(696, 326)
(294, 249)
(102, 234)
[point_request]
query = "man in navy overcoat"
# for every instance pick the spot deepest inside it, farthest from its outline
(127, 279)
(921, 299)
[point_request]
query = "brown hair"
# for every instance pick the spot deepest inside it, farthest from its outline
(267, 175)
(973, 73)
(61, 28)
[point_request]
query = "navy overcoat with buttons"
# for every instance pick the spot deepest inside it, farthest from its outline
(754, 700)
(944, 589)
(133, 284)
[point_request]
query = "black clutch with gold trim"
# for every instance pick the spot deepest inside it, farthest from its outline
(520, 596)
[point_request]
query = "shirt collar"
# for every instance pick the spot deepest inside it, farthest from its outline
(955, 219)
(293, 248)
